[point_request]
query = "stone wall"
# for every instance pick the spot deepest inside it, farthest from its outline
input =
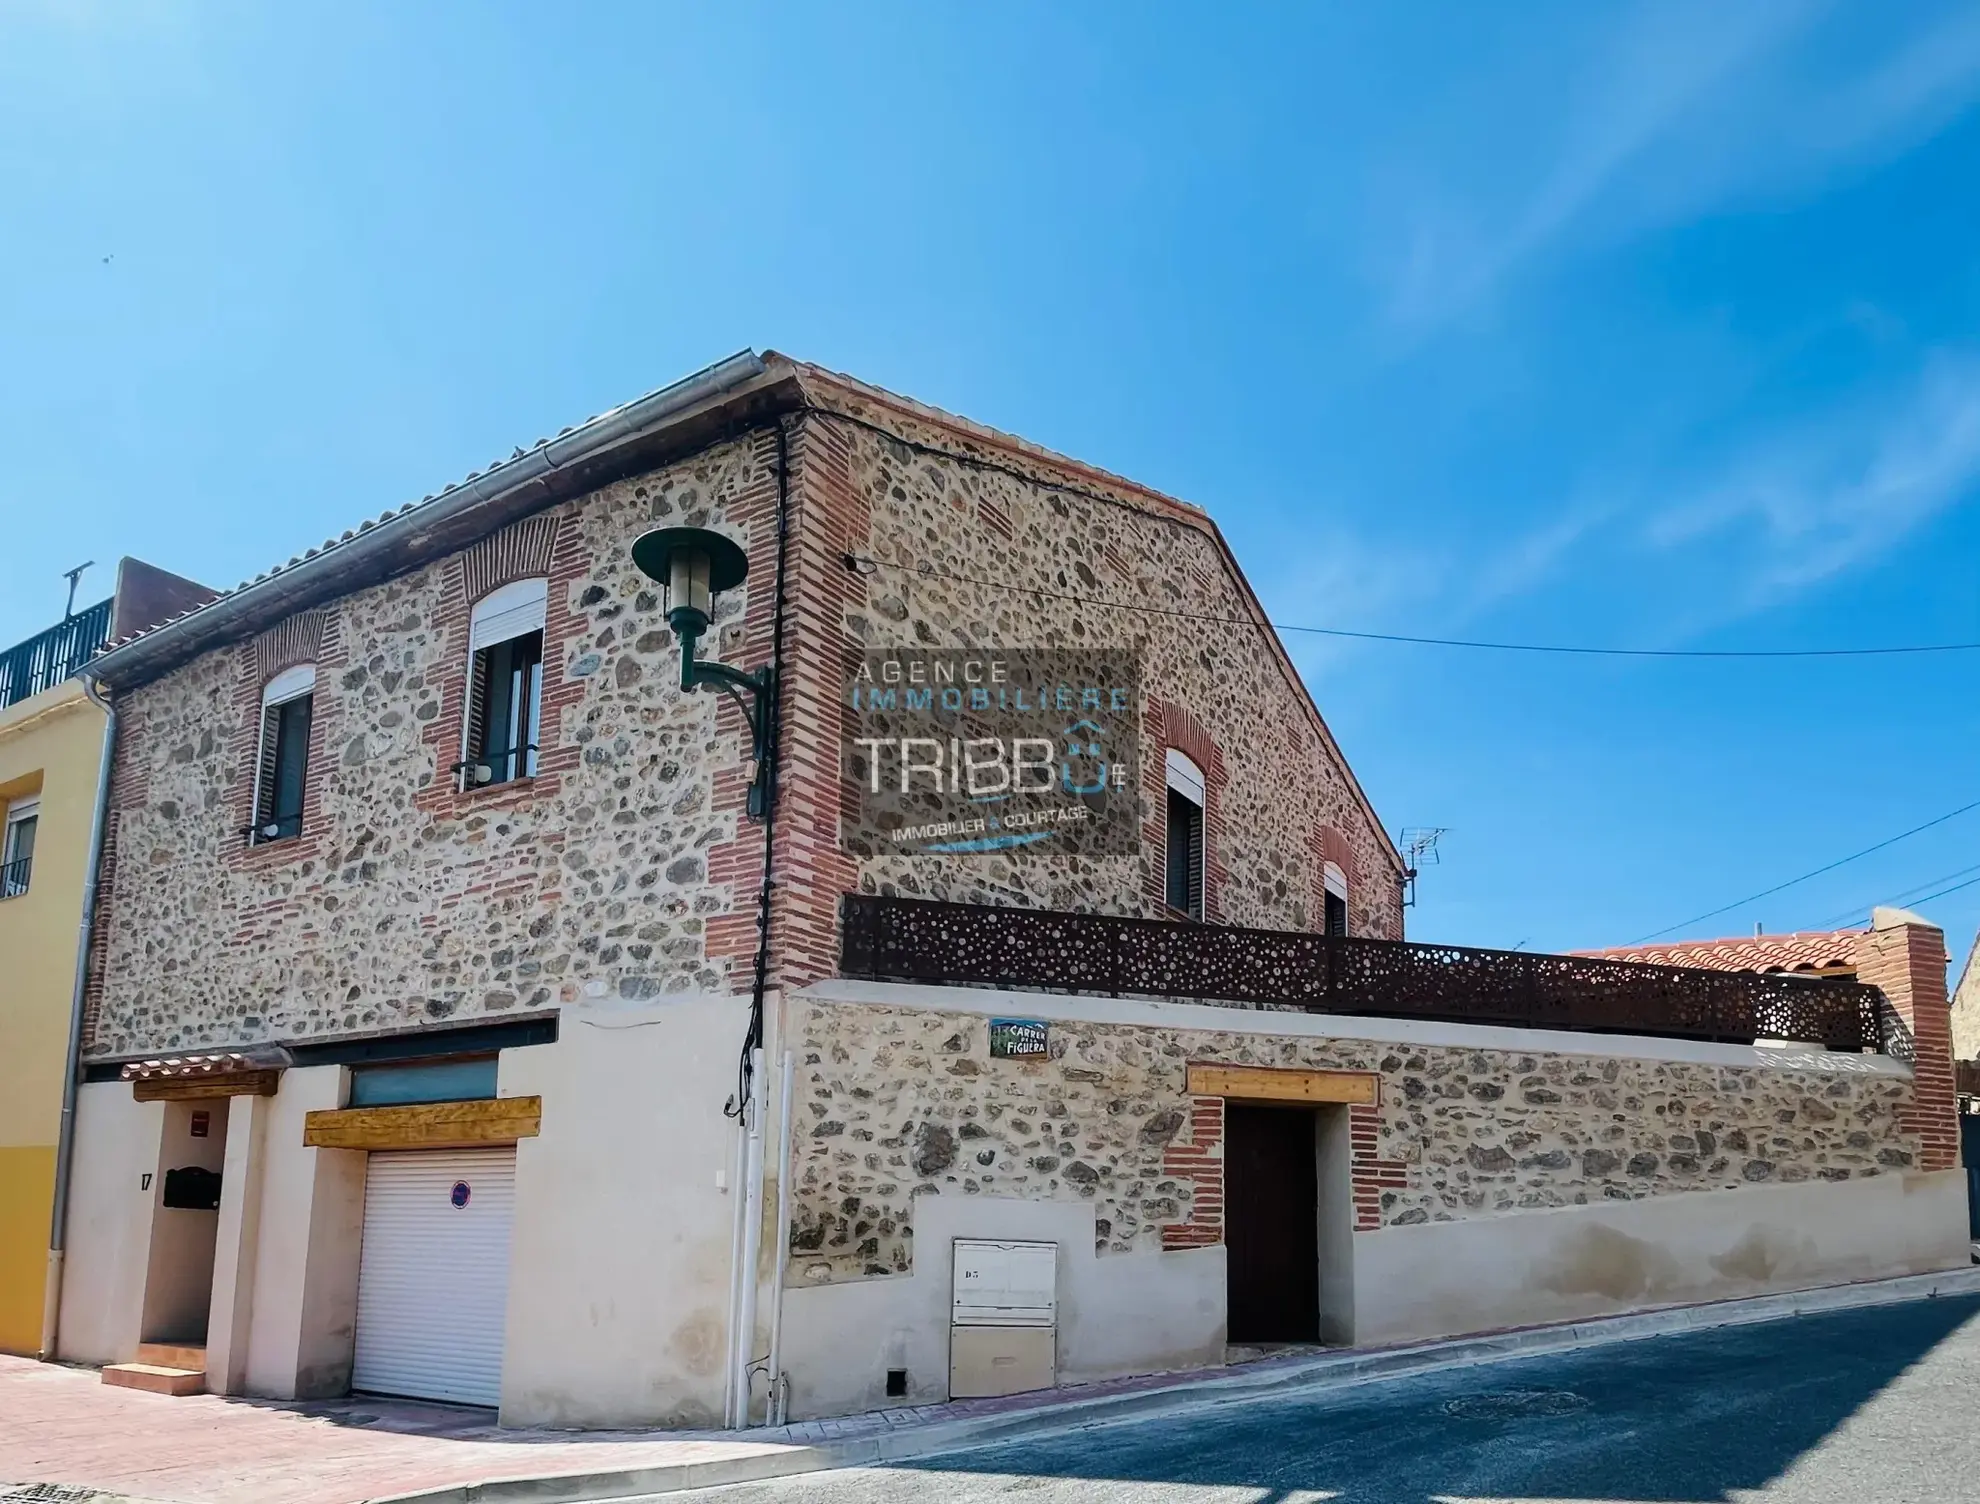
(894, 1102)
(625, 867)
(973, 548)
(405, 902)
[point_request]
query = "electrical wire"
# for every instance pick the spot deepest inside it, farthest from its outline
(863, 563)
(1794, 881)
(1907, 895)
(1944, 891)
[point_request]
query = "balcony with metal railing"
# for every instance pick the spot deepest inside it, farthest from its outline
(48, 658)
(971, 945)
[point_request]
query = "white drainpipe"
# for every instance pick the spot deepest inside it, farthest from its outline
(778, 1400)
(743, 1342)
(739, 1202)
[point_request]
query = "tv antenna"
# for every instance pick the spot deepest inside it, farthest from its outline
(74, 577)
(1419, 850)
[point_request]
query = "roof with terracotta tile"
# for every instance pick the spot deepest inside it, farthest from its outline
(1801, 950)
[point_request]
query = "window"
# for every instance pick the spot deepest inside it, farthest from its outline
(17, 851)
(284, 760)
(505, 685)
(465, 1079)
(1335, 882)
(1184, 859)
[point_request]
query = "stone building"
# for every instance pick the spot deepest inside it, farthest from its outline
(456, 1028)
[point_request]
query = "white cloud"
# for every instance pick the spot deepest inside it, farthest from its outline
(1677, 110)
(1837, 492)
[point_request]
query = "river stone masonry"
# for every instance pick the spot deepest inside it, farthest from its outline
(968, 556)
(404, 903)
(893, 1103)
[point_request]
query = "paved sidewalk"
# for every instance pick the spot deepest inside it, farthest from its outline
(62, 1425)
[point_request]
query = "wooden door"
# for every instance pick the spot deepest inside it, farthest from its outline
(1271, 1223)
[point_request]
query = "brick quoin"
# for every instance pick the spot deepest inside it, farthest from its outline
(1197, 1157)
(731, 936)
(1906, 961)
(829, 519)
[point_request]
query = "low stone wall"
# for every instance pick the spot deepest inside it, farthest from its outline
(898, 1097)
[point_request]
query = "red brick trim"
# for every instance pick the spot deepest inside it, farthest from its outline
(1907, 963)
(536, 546)
(731, 936)
(310, 637)
(297, 640)
(1368, 1172)
(829, 519)
(1197, 1158)
(1165, 725)
(1326, 844)
(521, 551)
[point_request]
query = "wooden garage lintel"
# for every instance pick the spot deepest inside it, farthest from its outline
(1266, 1084)
(426, 1125)
(206, 1088)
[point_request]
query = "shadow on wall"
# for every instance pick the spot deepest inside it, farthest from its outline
(1703, 1416)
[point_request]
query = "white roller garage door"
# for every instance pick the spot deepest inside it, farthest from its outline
(433, 1277)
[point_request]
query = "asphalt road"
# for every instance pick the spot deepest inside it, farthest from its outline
(1859, 1407)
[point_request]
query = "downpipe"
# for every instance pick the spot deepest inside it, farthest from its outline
(752, 1247)
(777, 1401)
(737, 1161)
(65, 1141)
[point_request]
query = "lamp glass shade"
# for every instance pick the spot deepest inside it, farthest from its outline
(687, 582)
(694, 563)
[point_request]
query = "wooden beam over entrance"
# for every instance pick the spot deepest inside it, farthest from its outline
(1256, 1083)
(426, 1125)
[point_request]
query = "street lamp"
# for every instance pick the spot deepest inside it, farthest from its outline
(696, 564)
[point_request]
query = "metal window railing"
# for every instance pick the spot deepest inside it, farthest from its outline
(48, 658)
(14, 876)
(956, 944)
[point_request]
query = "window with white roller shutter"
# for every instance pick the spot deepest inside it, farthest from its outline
(433, 1274)
(505, 684)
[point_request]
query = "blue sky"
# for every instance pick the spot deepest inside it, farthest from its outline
(1654, 326)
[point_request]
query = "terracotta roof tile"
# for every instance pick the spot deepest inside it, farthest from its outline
(1802, 950)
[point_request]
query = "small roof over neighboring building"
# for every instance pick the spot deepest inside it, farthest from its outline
(1812, 952)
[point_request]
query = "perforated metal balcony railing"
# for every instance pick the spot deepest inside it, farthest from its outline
(919, 940)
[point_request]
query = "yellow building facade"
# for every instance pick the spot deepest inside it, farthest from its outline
(50, 746)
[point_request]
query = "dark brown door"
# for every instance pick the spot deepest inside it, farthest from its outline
(1271, 1223)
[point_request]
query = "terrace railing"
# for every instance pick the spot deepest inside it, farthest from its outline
(919, 940)
(47, 658)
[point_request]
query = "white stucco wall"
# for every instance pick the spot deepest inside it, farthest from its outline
(619, 1275)
(304, 1309)
(178, 1282)
(231, 1316)
(109, 1233)
(1126, 1314)
(1524, 1268)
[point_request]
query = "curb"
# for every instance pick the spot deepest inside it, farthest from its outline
(1190, 1394)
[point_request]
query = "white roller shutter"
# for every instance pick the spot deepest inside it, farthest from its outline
(508, 612)
(433, 1277)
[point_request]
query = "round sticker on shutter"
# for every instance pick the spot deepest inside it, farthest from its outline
(459, 1195)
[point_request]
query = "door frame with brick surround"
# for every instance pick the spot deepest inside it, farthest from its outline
(1346, 1111)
